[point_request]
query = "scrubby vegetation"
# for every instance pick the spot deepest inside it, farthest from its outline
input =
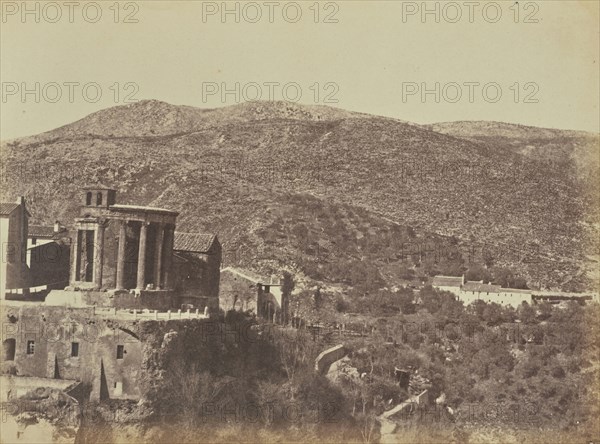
(497, 374)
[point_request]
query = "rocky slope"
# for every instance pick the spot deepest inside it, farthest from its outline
(266, 175)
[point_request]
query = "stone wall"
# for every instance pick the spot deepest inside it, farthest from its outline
(71, 343)
(197, 279)
(150, 299)
(13, 237)
(237, 292)
(49, 264)
(328, 357)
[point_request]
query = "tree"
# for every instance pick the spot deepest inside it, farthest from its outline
(478, 273)
(526, 313)
(488, 258)
(492, 314)
(545, 311)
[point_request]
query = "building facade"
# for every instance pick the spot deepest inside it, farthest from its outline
(49, 342)
(243, 290)
(14, 225)
(197, 262)
(48, 256)
(469, 292)
(121, 247)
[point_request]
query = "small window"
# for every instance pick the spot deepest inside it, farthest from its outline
(88, 198)
(30, 347)
(99, 198)
(74, 349)
(120, 351)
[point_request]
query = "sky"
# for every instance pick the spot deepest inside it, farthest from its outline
(533, 63)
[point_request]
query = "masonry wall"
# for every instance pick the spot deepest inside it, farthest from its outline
(152, 299)
(13, 233)
(514, 299)
(194, 280)
(197, 277)
(4, 239)
(49, 263)
(237, 293)
(54, 330)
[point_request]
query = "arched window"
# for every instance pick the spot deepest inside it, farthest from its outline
(88, 198)
(99, 198)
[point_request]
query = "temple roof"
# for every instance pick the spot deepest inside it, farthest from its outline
(193, 242)
(139, 208)
(99, 186)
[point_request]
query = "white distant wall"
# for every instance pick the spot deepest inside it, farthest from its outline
(506, 297)
(4, 227)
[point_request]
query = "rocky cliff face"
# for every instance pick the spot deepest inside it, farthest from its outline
(41, 414)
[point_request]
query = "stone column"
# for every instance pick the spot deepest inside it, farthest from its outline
(141, 269)
(76, 257)
(168, 251)
(121, 256)
(160, 236)
(98, 254)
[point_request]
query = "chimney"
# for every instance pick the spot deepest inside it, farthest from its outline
(21, 200)
(56, 226)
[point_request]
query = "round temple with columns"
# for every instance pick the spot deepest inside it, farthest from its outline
(121, 247)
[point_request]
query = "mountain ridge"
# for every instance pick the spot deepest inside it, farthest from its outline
(224, 168)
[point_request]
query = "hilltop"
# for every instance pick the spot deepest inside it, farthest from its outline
(578, 148)
(272, 177)
(156, 118)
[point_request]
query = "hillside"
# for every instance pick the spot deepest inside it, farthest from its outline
(543, 144)
(271, 177)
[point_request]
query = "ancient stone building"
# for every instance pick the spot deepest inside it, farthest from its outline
(48, 256)
(100, 347)
(121, 246)
(14, 224)
(244, 290)
(197, 263)
(469, 292)
(128, 271)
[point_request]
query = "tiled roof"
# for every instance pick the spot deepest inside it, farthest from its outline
(46, 232)
(40, 231)
(482, 288)
(196, 242)
(447, 281)
(7, 207)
